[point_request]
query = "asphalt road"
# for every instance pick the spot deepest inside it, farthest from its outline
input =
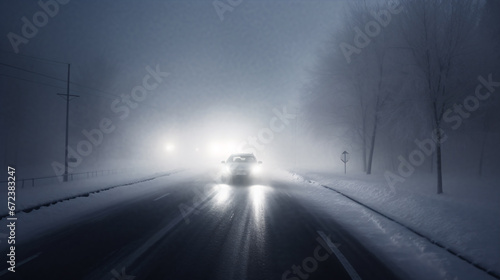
(195, 229)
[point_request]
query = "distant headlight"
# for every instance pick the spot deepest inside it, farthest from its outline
(169, 147)
(227, 169)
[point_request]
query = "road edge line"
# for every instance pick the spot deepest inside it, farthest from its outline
(457, 254)
(343, 260)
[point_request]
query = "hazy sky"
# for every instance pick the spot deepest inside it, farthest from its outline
(225, 74)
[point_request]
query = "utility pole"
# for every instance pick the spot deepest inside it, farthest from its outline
(67, 95)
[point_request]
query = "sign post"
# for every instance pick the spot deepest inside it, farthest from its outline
(344, 157)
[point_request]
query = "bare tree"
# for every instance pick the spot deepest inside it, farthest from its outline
(490, 28)
(437, 31)
(356, 73)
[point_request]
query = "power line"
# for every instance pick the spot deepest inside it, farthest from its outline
(95, 94)
(60, 87)
(42, 83)
(95, 89)
(32, 72)
(34, 57)
(45, 75)
(100, 93)
(58, 79)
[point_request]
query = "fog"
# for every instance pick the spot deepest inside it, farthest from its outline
(169, 84)
(414, 90)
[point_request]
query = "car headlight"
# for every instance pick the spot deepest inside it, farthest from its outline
(227, 169)
(256, 169)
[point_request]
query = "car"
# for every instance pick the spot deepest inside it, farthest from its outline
(239, 167)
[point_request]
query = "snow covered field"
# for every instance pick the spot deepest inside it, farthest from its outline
(464, 219)
(28, 197)
(36, 223)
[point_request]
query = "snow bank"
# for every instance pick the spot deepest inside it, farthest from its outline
(464, 219)
(28, 197)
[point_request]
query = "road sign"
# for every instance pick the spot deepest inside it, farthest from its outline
(344, 157)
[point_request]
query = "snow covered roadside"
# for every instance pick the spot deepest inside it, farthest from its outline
(38, 222)
(29, 197)
(464, 219)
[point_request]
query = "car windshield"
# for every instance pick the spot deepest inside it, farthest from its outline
(241, 159)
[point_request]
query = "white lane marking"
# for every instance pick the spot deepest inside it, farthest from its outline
(21, 263)
(348, 267)
(161, 197)
(130, 259)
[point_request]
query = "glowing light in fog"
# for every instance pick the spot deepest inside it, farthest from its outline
(230, 146)
(257, 195)
(222, 194)
(256, 169)
(169, 147)
(214, 148)
(222, 148)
